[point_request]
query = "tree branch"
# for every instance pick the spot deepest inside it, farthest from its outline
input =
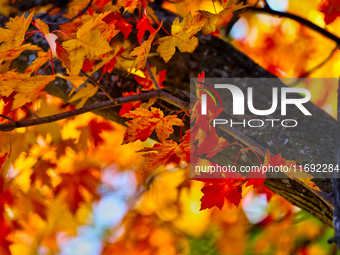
(98, 106)
(298, 19)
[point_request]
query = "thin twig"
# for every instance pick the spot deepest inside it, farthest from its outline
(306, 74)
(99, 85)
(79, 14)
(29, 111)
(298, 19)
(321, 64)
(151, 74)
(7, 118)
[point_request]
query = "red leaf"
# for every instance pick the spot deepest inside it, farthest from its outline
(120, 23)
(331, 9)
(147, 82)
(256, 179)
(73, 185)
(129, 106)
(96, 128)
(143, 25)
(217, 189)
(87, 65)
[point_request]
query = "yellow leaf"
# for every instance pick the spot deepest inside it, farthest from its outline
(14, 33)
(84, 94)
(76, 80)
(182, 37)
(27, 87)
(89, 43)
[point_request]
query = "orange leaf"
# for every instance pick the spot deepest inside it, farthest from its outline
(163, 152)
(145, 122)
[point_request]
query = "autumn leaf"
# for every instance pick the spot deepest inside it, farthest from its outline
(160, 153)
(141, 52)
(8, 53)
(40, 172)
(72, 185)
(43, 57)
(120, 23)
(147, 82)
(111, 63)
(145, 122)
(331, 9)
(222, 18)
(84, 93)
(13, 34)
(96, 128)
(204, 137)
(129, 106)
(216, 190)
(256, 178)
(89, 43)
(216, 20)
(143, 25)
(26, 88)
(12, 38)
(182, 36)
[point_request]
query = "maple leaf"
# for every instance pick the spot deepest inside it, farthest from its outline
(87, 65)
(96, 128)
(256, 179)
(162, 152)
(216, 20)
(143, 25)
(40, 172)
(129, 106)
(216, 190)
(14, 33)
(109, 64)
(42, 58)
(12, 37)
(8, 53)
(145, 122)
(331, 9)
(147, 82)
(142, 51)
(182, 36)
(72, 185)
(89, 43)
(120, 23)
(27, 88)
(222, 18)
